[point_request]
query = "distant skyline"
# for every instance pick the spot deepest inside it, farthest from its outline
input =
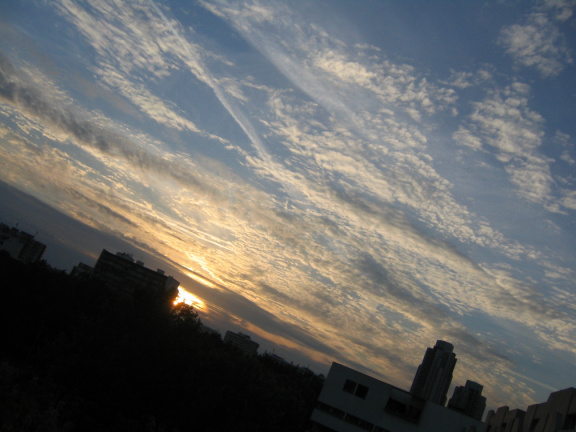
(346, 181)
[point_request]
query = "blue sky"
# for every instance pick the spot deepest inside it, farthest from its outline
(347, 181)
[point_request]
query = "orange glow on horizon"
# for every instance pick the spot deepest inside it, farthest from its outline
(189, 299)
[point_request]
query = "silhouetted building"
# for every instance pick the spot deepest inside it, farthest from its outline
(468, 400)
(242, 342)
(434, 375)
(121, 273)
(20, 245)
(351, 401)
(558, 414)
(505, 420)
(81, 270)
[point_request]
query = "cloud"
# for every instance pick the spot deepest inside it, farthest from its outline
(16, 90)
(504, 124)
(464, 80)
(537, 43)
(337, 81)
(338, 145)
(344, 69)
(136, 43)
(332, 162)
(150, 104)
(562, 9)
(124, 37)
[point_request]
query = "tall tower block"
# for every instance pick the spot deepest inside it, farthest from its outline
(434, 375)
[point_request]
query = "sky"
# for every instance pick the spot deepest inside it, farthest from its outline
(345, 181)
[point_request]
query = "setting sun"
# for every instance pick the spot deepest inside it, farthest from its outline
(189, 299)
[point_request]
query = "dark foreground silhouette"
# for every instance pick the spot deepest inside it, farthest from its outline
(77, 357)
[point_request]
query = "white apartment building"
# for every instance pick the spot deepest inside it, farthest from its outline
(351, 401)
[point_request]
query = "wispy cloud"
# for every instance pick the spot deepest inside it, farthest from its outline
(538, 42)
(136, 46)
(504, 124)
(16, 89)
(337, 141)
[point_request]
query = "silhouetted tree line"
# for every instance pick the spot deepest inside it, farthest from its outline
(76, 357)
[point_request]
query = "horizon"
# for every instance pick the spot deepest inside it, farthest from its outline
(200, 306)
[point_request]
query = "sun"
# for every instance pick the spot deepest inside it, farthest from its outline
(189, 299)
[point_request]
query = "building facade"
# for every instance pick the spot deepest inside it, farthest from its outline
(557, 414)
(434, 375)
(119, 272)
(468, 400)
(505, 420)
(20, 245)
(81, 270)
(351, 401)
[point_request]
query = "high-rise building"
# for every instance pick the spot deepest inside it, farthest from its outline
(20, 245)
(434, 375)
(468, 400)
(122, 274)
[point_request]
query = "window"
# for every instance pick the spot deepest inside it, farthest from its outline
(356, 389)
(361, 391)
(395, 407)
(349, 386)
(406, 411)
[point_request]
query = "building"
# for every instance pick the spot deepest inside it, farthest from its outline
(557, 414)
(20, 245)
(351, 401)
(82, 270)
(468, 400)
(505, 420)
(242, 342)
(120, 272)
(434, 375)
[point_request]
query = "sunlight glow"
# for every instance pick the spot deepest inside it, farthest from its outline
(189, 299)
